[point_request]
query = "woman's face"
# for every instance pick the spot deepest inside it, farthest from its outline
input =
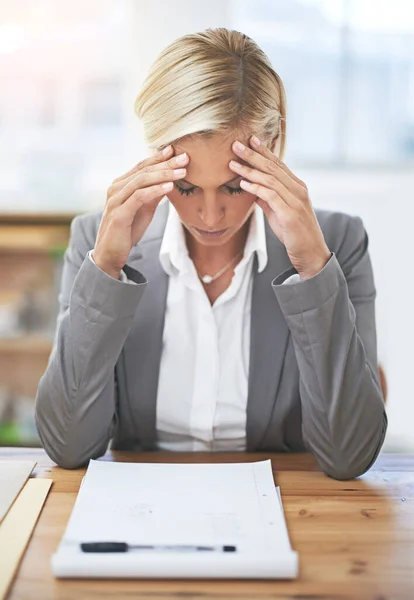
(210, 199)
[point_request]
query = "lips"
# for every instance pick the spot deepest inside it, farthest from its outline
(216, 233)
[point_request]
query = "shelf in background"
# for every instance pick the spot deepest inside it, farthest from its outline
(24, 238)
(20, 233)
(26, 344)
(32, 247)
(36, 218)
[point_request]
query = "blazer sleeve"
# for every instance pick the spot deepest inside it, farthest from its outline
(76, 397)
(331, 317)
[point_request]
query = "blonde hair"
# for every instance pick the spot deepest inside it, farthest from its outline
(213, 81)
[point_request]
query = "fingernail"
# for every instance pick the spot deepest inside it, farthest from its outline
(235, 164)
(246, 184)
(179, 171)
(166, 150)
(255, 140)
(239, 146)
(181, 158)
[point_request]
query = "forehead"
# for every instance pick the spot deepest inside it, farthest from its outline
(210, 157)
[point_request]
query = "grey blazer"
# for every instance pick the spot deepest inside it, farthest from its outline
(313, 379)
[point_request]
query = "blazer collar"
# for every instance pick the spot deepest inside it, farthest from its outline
(142, 349)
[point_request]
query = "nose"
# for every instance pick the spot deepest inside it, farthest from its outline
(211, 212)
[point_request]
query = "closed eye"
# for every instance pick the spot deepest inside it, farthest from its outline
(189, 191)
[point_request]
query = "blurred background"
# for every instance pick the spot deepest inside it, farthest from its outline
(69, 75)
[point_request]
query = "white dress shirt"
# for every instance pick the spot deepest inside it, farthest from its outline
(204, 368)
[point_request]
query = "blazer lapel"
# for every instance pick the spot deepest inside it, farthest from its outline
(143, 346)
(269, 337)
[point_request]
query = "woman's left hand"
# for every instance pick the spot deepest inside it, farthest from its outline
(285, 201)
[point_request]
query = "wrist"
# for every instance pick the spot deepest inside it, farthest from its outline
(316, 267)
(109, 270)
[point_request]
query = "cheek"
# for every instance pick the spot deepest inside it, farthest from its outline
(240, 207)
(182, 204)
(245, 202)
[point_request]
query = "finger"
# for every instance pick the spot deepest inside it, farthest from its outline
(272, 198)
(121, 182)
(173, 163)
(162, 155)
(266, 161)
(286, 169)
(266, 180)
(143, 180)
(267, 153)
(150, 197)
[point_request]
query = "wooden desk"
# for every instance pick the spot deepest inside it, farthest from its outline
(355, 538)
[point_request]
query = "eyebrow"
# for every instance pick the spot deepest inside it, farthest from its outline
(227, 182)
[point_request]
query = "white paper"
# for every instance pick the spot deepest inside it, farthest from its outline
(13, 476)
(196, 504)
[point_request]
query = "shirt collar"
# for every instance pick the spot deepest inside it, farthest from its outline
(174, 253)
(256, 239)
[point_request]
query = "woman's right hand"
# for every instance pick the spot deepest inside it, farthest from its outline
(130, 205)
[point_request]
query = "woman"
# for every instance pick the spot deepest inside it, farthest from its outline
(230, 316)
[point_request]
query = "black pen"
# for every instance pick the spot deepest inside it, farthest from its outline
(124, 547)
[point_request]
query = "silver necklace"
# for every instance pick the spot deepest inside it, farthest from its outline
(211, 278)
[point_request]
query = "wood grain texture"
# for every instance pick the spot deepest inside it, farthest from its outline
(17, 527)
(355, 538)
